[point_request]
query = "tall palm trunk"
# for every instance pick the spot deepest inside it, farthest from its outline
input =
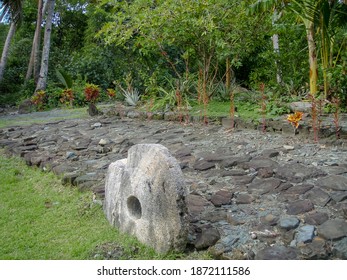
(34, 57)
(42, 81)
(312, 51)
(6, 49)
(276, 47)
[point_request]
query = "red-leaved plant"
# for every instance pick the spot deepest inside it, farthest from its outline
(67, 97)
(39, 99)
(91, 92)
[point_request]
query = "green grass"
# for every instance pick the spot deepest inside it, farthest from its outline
(42, 117)
(41, 219)
(245, 110)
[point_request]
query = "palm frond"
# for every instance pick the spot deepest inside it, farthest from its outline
(12, 9)
(261, 6)
(64, 78)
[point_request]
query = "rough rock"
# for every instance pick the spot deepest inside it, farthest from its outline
(297, 172)
(333, 182)
(143, 193)
(340, 249)
(301, 106)
(202, 165)
(299, 189)
(263, 186)
(207, 237)
(244, 198)
(26, 107)
(339, 196)
(318, 197)
(196, 204)
(299, 207)
(276, 253)
(289, 223)
(221, 197)
(333, 229)
(316, 218)
(305, 234)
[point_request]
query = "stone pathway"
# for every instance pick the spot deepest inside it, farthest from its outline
(252, 195)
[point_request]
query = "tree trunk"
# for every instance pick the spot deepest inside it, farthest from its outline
(42, 81)
(276, 46)
(6, 49)
(227, 74)
(34, 57)
(312, 58)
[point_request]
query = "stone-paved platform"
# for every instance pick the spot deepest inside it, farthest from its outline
(251, 195)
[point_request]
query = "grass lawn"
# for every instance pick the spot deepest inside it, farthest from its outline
(42, 117)
(245, 110)
(41, 219)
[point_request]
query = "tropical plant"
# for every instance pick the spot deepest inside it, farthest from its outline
(64, 78)
(111, 93)
(92, 93)
(132, 96)
(67, 97)
(294, 120)
(13, 10)
(33, 67)
(39, 99)
(43, 75)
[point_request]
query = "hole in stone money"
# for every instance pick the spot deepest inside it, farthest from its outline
(134, 207)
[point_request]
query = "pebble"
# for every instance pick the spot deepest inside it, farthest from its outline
(96, 125)
(103, 142)
(289, 223)
(288, 148)
(305, 234)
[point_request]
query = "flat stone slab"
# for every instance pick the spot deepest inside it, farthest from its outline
(318, 197)
(276, 253)
(263, 186)
(299, 189)
(196, 204)
(298, 173)
(289, 223)
(316, 218)
(333, 229)
(261, 163)
(222, 197)
(244, 198)
(305, 234)
(299, 207)
(206, 238)
(203, 165)
(145, 196)
(333, 182)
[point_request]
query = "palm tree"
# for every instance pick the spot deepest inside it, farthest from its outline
(308, 12)
(330, 18)
(277, 7)
(42, 81)
(34, 57)
(12, 10)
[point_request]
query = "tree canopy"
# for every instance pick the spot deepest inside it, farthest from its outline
(161, 41)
